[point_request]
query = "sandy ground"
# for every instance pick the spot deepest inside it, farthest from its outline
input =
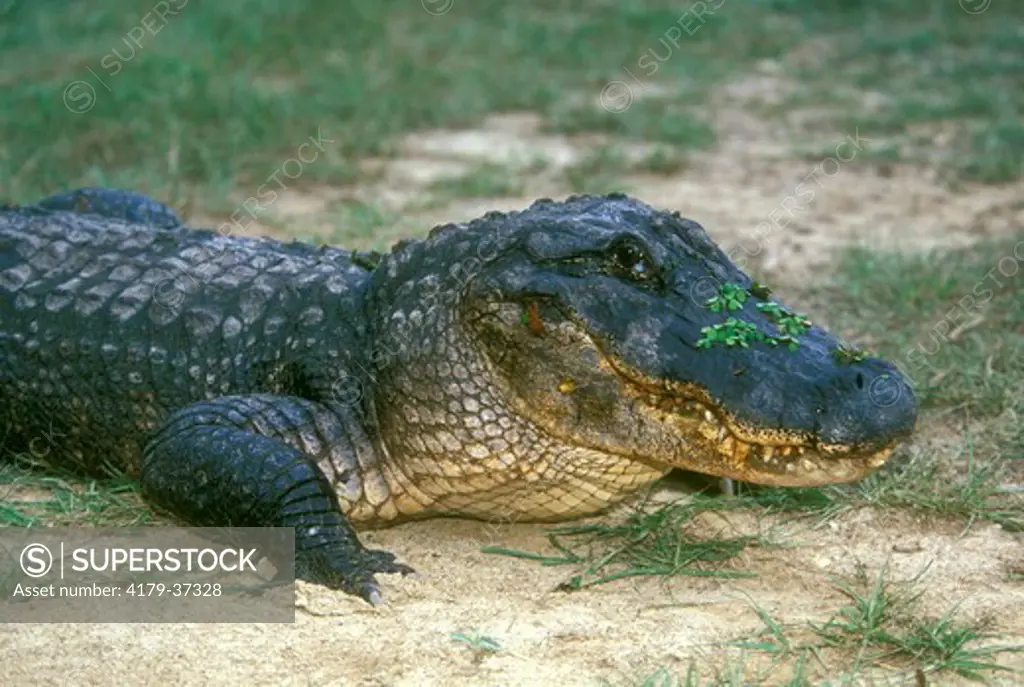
(624, 630)
(617, 631)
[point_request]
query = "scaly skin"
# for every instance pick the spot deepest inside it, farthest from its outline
(110, 202)
(538, 365)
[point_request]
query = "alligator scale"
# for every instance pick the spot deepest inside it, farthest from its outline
(535, 365)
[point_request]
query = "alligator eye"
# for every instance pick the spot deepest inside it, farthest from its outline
(628, 259)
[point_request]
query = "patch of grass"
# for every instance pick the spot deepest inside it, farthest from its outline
(881, 622)
(929, 486)
(190, 110)
(599, 172)
(996, 151)
(603, 168)
(651, 541)
(734, 670)
(656, 119)
(938, 70)
(886, 152)
(481, 645)
(662, 677)
(485, 181)
(195, 109)
(355, 225)
(662, 160)
(822, 502)
(879, 630)
(920, 482)
(29, 498)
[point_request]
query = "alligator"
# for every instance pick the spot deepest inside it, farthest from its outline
(532, 366)
(113, 202)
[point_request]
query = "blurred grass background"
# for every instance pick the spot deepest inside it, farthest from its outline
(215, 95)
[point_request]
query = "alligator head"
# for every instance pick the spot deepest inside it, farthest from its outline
(583, 348)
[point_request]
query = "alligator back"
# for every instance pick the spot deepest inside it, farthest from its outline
(107, 326)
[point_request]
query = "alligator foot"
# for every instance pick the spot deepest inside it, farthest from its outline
(355, 575)
(209, 467)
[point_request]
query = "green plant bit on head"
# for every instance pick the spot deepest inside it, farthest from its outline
(846, 354)
(772, 309)
(793, 324)
(791, 343)
(732, 332)
(730, 297)
(760, 291)
(735, 332)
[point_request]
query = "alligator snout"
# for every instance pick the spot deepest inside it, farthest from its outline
(867, 404)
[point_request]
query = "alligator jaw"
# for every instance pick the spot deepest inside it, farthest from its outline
(719, 444)
(722, 447)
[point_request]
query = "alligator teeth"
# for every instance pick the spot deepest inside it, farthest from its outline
(768, 455)
(877, 460)
(722, 432)
(708, 415)
(741, 452)
(808, 465)
(785, 451)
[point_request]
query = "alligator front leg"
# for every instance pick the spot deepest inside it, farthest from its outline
(210, 466)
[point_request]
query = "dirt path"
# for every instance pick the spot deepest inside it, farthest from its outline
(623, 630)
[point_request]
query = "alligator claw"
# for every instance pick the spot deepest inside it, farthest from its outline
(352, 575)
(384, 561)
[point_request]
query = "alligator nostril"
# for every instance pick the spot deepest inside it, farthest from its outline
(870, 407)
